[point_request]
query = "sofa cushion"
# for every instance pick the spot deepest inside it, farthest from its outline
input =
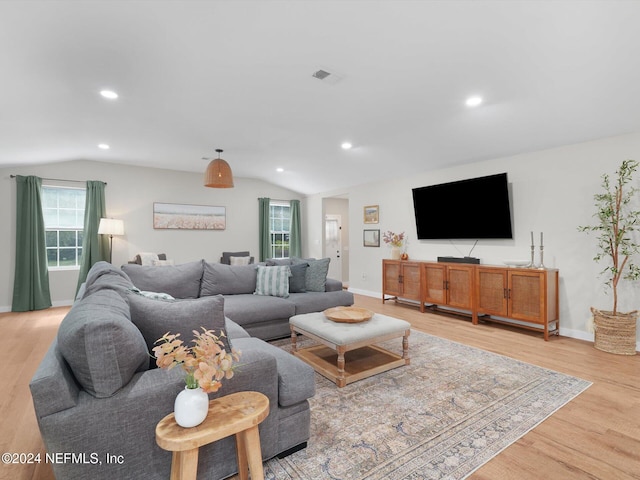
(179, 281)
(296, 379)
(273, 281)
(272, 262)
(101, 345)
(103, 275)
(320, 301)
(154, 318)
(297, 281)
(221, 279)
(249, 308)
(316, 276)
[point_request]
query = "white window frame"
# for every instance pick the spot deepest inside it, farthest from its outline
(58, 229)
(286, 233)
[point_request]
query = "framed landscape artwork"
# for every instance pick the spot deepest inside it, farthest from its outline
(188, 217)
(371, 214)
(371, 238)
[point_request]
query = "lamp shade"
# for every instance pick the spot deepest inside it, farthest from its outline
(218, 173)
(111, 226)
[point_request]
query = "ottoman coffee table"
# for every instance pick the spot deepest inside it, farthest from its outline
(347, 351)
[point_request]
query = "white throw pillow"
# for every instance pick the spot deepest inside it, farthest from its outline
(273, 281)
(239, 260)
(147, 258)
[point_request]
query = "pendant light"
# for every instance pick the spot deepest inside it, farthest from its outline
(218, 173)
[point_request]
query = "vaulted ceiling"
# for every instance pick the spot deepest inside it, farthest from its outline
(193, 76)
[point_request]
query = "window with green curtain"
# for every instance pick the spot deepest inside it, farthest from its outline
(63, 210)
(279, 225)
(95, 247)
(31, 279)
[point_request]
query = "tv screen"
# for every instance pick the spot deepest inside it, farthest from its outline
(467, 209)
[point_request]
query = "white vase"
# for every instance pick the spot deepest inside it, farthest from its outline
(191, 407)
(395, 253)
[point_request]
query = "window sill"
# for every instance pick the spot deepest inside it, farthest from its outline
(63, 269)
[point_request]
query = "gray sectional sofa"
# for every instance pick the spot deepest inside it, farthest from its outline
(262, 316)
(98, 397)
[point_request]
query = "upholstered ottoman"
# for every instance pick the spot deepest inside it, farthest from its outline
(347, 351)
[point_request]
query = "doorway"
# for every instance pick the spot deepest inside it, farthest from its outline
(333, 244)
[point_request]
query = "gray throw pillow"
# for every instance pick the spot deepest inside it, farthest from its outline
(101, 345)
(297, 281)
(179, 281)
(154, 318)
(316, 276)
(221, 279)
(273, 281)
(271, 262)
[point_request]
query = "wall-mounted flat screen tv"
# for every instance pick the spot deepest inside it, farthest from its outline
(476, 208)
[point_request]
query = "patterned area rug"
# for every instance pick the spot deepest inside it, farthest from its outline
(442, 417)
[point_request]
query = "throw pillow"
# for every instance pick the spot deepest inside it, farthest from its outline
(154, 318)
(316, 276)
(273, 281)
(239, 260)
(179, 281)
(297, 282)
(270, 262)
(227, 255)
(221, 279)
(153, 295)
(102, 347)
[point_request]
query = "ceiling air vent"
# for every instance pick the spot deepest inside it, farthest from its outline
(321, 74)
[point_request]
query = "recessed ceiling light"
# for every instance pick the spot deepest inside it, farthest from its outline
(103, 146)
(280, 169)
(473, 101)
(346, 145)
(110, 94)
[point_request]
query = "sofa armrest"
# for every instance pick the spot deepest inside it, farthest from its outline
(53, 387)
(333, 285)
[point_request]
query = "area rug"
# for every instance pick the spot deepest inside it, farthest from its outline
(442, 417)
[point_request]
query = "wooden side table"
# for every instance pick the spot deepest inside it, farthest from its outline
(236, 414)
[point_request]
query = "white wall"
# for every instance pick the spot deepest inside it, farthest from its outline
(552, 192)
(130, 194)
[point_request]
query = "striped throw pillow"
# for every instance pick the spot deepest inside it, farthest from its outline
(273, 281)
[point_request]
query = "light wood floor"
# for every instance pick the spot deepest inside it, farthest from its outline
(595, 436)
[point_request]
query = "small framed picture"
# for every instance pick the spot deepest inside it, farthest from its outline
(371, 238)
(371, 214)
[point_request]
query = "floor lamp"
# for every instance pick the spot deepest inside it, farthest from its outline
(111, 227)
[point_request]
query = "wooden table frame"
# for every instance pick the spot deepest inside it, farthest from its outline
(367, 359)
(236, 414)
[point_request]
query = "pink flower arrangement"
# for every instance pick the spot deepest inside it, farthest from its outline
(206, 363)
(393, 239)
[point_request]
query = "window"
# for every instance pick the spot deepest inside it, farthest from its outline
(63, 210)
(280, 225)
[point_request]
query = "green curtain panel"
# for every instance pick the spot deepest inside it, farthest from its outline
(264, 228)
(31, 280)
(95, 247)
(295, 233)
